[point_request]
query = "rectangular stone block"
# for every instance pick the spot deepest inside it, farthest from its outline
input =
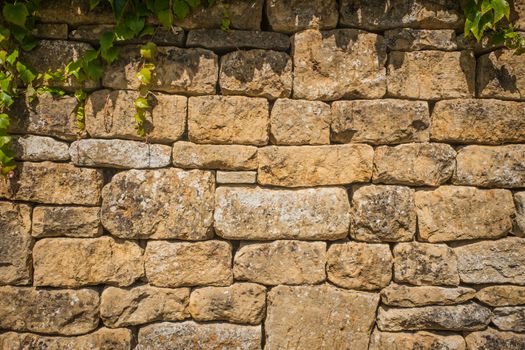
(408, 39)
(493, 339)
(247, 213)
(502, 295)
(419, 340)
(173, 36)
(178, 264)
(228, 120)
(501, 74)
(50, 31)
(76, 262)
(51, 221)
(77, 12)
(281, 262)
(223, 157)
(296, 166)
(338, 64)
(406, 296)
(39, 148)
(290, 17)
(236, 177)
(431, 75)
(510, 318)
(377, 122)
(220, 40)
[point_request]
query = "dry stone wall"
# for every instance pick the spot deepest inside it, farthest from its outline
(326, 175)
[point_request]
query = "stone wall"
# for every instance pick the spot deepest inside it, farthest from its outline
(354, 187)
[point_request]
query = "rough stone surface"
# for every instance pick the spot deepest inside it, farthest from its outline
(191, 335)
(178, 264)
(50, 31)
(228, 120)
(502, 295)
(186, 71)
(423, 263)
(164, 203)
(73, 12)
(465, 317)
(319, 317)
(491, 166)
(510, 318)
(519, 201)
(296, 166)
(224, 157)
(51, 221)
(281, 262)
(429, 164)
(15, 243)
(408, 39)
(481, 121)
(431, 75)
(343, 63)
(451, 213)
(500, 261)
(258, 73)
(239, 303)
(38, 148)
(419, 340)
(220, 40)
(492, 339)
(377, 122)
(174, 36)
(143, 304)
(67, 312)
(405, 296)
(383, 214)
(293, 16)
(300, 122)
(76, 262)
(359, 265)
(109, 114)
(236, 177)
(501, 74)
(267, 214)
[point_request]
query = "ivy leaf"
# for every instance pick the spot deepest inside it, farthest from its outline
(93, 4)
(141, 103)
(118, 7)
(12, 57)
(161, 5)
(501, 9)
(165, 18)
(181, 9)
(16, 14)
(110, 55)
(193, 3)
(29, 43)
(4, 34)
(5, 140)
(93, 69)
(144, 76)
(148, 30)
(106, 40)
(148, 51)
(4, 121)
(135, 24)
(25, 73)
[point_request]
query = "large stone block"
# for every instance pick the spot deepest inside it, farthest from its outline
(159, 204)
(296, 166)
(244, 213)
(178, 264)
(419, 340)
(406, 296)
(501, 74)
(293, 16)
(492, 339)
(281, 262)
(408, 39)
(519, 201)
(39, 148)
(343, 63)
(76, 262)
(51, 221)
(220, 40)
(224, 157)
(236, 177)
(431, 75)
(510, 318)
(319, 317)
(502, 295)
(385, 121)
(74, 12)
(228, 120)
(67, 312)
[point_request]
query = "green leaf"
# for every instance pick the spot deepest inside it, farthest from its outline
(135, 24)
(93, 4)
(29, 43)
(106, 40)
(193, 3)
(144, 75)
(16, 14)
(161, 5)
(165, 18)
(94, 70)
(148, 51)
(4, 121)
(141, 103)
(80, 95)
(12, 57)
(501, 9)
(118, 7)
(148, 30)
(110, 55)
(5, 140)
(4, 34)
(181, 9)
(25, 73)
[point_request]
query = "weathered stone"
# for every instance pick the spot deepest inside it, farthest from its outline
(359, 265)
(102, 339)
(518, 14)
(122, 154)
(38, 148)
(173, 36)
(236, 177)
(54, 183)
(258, 73)
(431, 75)
(66, 221)
(501, 74)
(76, 262)
(510, 318)
(471, 43)
(134, 306)
(385, 121)
(187, 71)
(239, 303)
(109, 114)
(191, 335)
(228, 120)
(519, 201)
(220, 40)
(319, 317)
(502, 295)
(281, 262)
(178, 264)
(68, 312)
(405, 296)
(73, 12)
(451, 213)
(224, 157)
(343, 63)
(159, 204)
(296, 166)
(415, 164)
(419, 340)
(408, 39)
(50, 31)
(383, 214)
(491, 166)
(265, 214)
(300, 122)
(465, 317)
(491, 339)
(500, 261)
(15, 243)
(293, 16)
(481, 121)
(378, 15)
(423, 263)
